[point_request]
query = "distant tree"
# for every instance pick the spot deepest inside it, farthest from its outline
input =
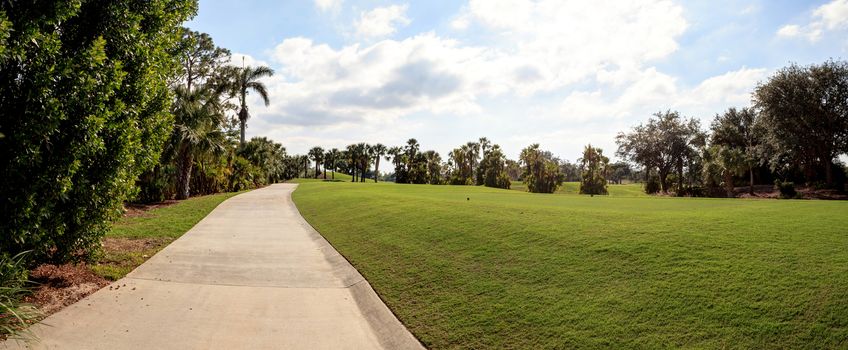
(331, 159)
(735, 139)
(513, 170)
(352, 159)
(244, 80)
(804, 114)
(364, 159)
(667, 143)
(378, 151)
(484, 145)
(493, 167)
(593, 166)
(434, 167)
(619, 171)
(317, 156)
(541, 171)
(570, 171)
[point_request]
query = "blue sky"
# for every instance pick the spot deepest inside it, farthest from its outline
(555, 72)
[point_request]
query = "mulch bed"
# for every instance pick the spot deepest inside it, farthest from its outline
(62, 285)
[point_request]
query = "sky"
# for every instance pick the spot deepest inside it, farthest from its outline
(560, 73)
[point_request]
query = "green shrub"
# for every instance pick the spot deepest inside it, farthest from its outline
(14, 315)
(84, 111)
(786, 189)
(653, 185)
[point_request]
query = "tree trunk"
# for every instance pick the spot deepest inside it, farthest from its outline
(680, 177)
(376, 168)
(728, 184)
(829, 169)
(751, 180)
(243, 125)
(184, 173)
(316, 169)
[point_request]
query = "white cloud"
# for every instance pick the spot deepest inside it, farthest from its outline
(237, 59)
(381, 21)
(653, 91)
(828, 17)
(546, 46)
(328, 5)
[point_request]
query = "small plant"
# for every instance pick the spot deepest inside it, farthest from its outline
(15, 316)
(786, 189)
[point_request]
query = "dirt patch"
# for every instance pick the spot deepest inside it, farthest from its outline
(126, 245)
(62, 285)
(138, 209)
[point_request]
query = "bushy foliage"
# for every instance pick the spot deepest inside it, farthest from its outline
(593, 168)
(541, 171)
(804, 115)
(786, 189)
(84, 110)
(652, 186)
(493, 168)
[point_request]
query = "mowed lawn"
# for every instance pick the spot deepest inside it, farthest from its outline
(473, 267)
(625, 190)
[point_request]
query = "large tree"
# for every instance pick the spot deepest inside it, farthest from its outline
(735, 140)
(246, 80)
(804, 113)
(84, 105)
(667, 143)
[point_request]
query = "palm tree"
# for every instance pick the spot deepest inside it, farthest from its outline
(364, 159)
(352, 159)
(377, 151)
(333, 156)
(246, 79)
(317, 155)
(198, 116)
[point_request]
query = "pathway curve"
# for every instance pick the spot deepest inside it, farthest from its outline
(253, 274)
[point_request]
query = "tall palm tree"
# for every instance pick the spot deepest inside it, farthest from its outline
(352, 160)
(377, 151)
(330, 158)
(245, 80)
(364, 159)
(317, 155)
(198, 116)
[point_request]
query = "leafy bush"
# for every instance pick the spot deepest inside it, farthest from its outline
(84, 111)
(653, 185)
(786, 189)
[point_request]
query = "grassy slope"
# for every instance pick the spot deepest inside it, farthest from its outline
(159, 227)
(507, 269)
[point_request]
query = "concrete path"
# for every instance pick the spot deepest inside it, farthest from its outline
(251, 275)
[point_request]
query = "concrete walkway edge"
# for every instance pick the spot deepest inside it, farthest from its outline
(391, 333)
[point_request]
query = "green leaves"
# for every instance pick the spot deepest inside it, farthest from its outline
(84, 111)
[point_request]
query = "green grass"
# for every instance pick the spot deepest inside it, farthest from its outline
(626, 190)
(513, 270)
(156, 228)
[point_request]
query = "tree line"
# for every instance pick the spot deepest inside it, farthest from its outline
(475, 163)
(794, 132)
